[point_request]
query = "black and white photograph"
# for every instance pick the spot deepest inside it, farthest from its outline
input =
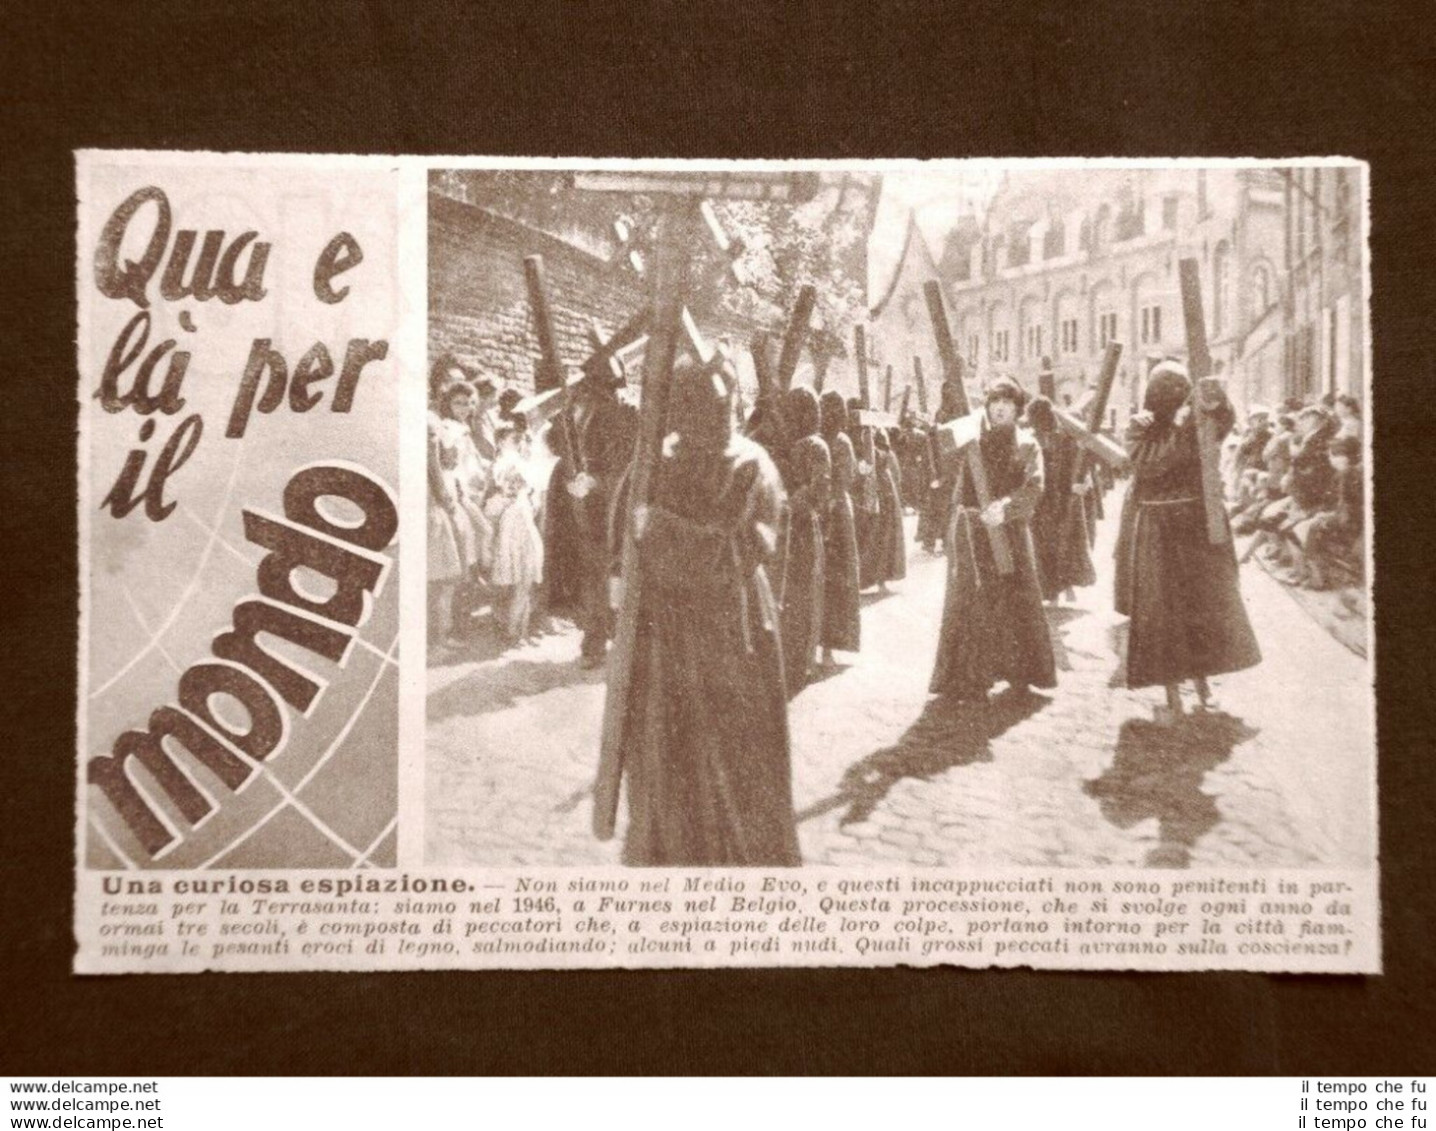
(909, 516)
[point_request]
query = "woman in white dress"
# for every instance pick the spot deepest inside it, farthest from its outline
(467, 476)
(518, 546)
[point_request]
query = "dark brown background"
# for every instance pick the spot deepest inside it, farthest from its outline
(809, 80)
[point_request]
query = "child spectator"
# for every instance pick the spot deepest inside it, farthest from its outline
(1333, 538)
(518, 546)
(466, 475)
(446, 556)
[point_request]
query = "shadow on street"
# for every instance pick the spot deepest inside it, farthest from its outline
(947, 734)
(498, 686)
(1157, 772)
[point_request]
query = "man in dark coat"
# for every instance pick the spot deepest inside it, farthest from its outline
(1181, 592)
(842, 627)
(866, 507)
(1059, 524)
(807, 472)
(707, 754)
(577, 547)
(937, 504)
(993, 624)
(889, 551)
(912, 452)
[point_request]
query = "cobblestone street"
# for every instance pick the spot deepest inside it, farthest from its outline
(1279, 775)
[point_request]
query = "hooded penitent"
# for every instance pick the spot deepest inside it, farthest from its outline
(706, 731)
(808, 469)
(1059, 525)
(1168, 388)
(842, 628)
(801, 414)
(994, 628)
(1180, 590)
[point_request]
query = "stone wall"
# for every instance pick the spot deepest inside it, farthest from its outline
(478, 301)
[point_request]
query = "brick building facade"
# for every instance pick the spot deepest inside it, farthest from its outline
(1066, 260)
(1324, 333)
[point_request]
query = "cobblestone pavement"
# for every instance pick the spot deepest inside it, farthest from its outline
(1280, 775)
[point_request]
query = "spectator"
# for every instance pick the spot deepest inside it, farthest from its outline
(1348, 416)
(1333, 538)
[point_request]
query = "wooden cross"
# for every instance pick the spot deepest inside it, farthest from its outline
(956, 437)
(602, 363)
(921, 386)
(1199, 368)
(763, 364)
(681, 195)
(888, 389)
(952, 367)
(549, 372)
(872, 418)
(860, 353)
(1088, 432)
(795, 334)
(730, 249)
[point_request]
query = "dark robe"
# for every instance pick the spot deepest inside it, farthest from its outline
(563, 549)
(707, 755)
(867, 509)
(842, 628)
(936, 513)
(1313, 482)
(1181, 592)
(809, 471)
(935, 509)
(993, 626)
(1060, 524)
(887, 548)
(912, 458)
(577, 559)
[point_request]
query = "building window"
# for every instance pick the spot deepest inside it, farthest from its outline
(1019, 244)
(972, 344)
(1151, 324)
(1169, 213)
(1222, 288)
(999, 346)
(1131, 221)
(1261, 291)
(1034, 341)
(1068, 331)
(1300, 214)
(1107, 328)
(1099, 232)
(1054, 240)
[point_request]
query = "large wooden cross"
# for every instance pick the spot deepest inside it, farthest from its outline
(1087, 432)
(860, 355)
(960, 436)
(795, 335)
(1199, 368)
(679, 217)
(921, 383)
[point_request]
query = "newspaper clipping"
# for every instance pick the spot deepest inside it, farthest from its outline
(500, 564)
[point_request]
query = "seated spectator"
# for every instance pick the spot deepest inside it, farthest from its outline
(1333, 538)
(1348, 416)
(1248, 459)
(1267, 504)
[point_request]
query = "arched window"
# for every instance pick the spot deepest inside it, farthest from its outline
(1222, 287)
(1261, 290)
(1054, 240)
(1101, 230)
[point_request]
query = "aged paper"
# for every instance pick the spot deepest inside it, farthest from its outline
(495, 564)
